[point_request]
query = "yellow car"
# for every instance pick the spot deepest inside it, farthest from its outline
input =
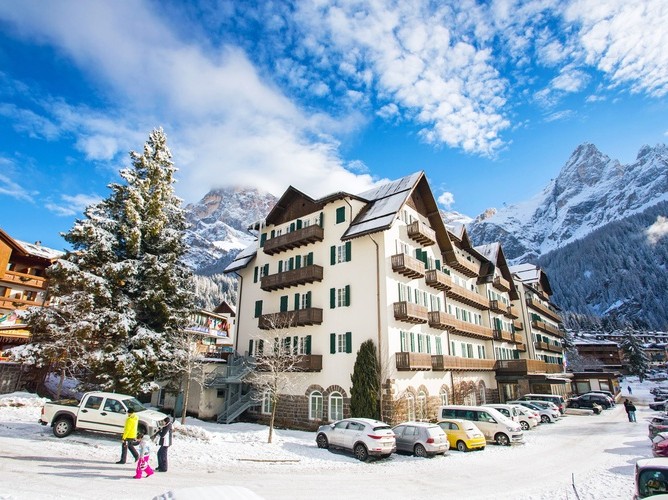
(462, 434)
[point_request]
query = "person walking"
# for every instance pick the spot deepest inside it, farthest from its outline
(629, 389)
(630, 410)
(144, 455)
(165, 442)
(129, 437)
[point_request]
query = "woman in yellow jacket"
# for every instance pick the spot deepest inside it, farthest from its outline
(129, 436)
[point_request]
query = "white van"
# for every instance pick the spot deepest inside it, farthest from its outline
(507, 410)
(494, 425)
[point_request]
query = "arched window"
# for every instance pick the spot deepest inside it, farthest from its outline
(444, 396)
(482, 395)
(335, 406)
(422, 405)
(410, 407)
(315, 406)
(266, 403)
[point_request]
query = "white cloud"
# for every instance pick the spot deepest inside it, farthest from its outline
(72, 205)
(446, 199)
(9, 187)
(657, 230)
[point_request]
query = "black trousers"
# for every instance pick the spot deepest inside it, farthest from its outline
(162, 458)
(128, 444)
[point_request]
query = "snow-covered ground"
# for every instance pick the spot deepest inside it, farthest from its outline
(591, 454)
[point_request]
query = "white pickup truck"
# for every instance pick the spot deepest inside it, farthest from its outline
(98, 411)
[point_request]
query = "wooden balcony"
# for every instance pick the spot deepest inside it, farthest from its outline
(293, 239)
(547, 328)
(289, 319)
(309, 363)
(294, 277)
(413, 361)
(410, 313)
(303, 363)
(525, 366)
(518, 338)
(23, 279)
(501, 283)
(461, 264)
(439, 320)
(438, 279)
(498, 306)
(512, 312)
(468, 297)
(502, 335)
(546, 346)
(521, 346)
(16, 303)
(518, 325)
(542, 308)
(441, 362)
(407, 266)
(421, 233)
(465, 328)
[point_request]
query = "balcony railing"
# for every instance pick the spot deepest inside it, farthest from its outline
(441, 362)
(525, 366)
(16, 303)
(302, 363)
(512, 312)
(461, 264)
(546, 327)
(463, 327)
(410, 313)
(438, 319)
(518, 338)
(407, 266)
(293, 239)
(502, 335)
(546, 346)
(413, 361)
(25, 279)
(498, 306)
(438, 279)
(501, 283)
(518, 325)
(288, 319)
(421, 233)
(294, 277)
(542, 308)
(468, 297)
(521, 346)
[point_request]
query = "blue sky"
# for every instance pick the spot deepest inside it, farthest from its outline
(488, 98)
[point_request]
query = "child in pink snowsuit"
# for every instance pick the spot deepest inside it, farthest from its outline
(144, 455)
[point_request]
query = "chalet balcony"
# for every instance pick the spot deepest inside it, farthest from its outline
(303, 363)
(521, 346)
(421, 233)
(468, 297)
(518, 338)
(293, 239)
(410, 313)
(16, 303)
(461, 264)
(413, 361)
(518, 325)
(438, 279)
(465, 328)
(23, 279)
(502, 335)
(512, 312)
(407, 266)
(541, 308)
(525, 366)
(440, 320)
(501, 283)
(309, 363)
(441, 362)
(547, 328)
(498, 306)
(546, 346)
(289, 319)
(294, 277)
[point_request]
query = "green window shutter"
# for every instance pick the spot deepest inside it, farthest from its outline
(280, 266)
(332, 254)
(349, 342)
(273, 233)
(291, 263)
(260, 346)
(412, 342)
(266, 269)
(255, 274)
(298, 261)
(308, 299)
(309, 259)
(292, 226)
(295, 345)
(438, 264)
(332, 298)
(258, 308)
(307, 344)
(299, 223)
(250, 347)
(340, 215)
(296, 301)
(439, 346)
(322, 219)
(347, 295)
(284, 303)
(263, 238)
(349, 254)
(332, 343)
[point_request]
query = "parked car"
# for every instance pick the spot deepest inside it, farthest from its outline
(658, 406)
(660, 445)
(651, 478)
(363, 436)
(607, 393)
(462, 434)
(513, 413)
(586, 402)
(558, 400)
(548, 413)
(422, 439)
(528, 418)
(496, 427)
(658, 424)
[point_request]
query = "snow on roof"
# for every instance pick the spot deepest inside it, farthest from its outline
(37, 250)
(527, 273)
(490, 251)
(242, 259)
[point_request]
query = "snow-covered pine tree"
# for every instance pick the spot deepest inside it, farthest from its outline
(634, 354)
(364, 392)
(130, 294)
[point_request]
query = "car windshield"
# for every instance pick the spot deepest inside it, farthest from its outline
(134, 405)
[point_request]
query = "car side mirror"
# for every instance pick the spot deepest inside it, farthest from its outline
(122, 411)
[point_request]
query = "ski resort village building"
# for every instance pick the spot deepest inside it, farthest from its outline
(451, 322)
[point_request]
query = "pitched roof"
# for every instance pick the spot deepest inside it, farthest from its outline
(242, 259)
(531, 274)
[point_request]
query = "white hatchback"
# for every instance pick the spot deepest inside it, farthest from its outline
(363, 436)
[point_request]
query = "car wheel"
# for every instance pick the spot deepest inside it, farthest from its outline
(524, 426)
(574, 405)
(461, 446)
(419, 451)
(322, 442)
(545, 419)
(502, 440)
(596, 411)
(62, 427)
(361, 452)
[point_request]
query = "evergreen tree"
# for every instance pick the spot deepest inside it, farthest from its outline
(635, 355)
(364, 393)
(122, 294)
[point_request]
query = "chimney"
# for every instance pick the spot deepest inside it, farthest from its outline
(38, 243)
